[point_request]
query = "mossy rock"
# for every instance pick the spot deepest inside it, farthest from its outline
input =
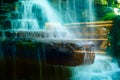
(114, 38)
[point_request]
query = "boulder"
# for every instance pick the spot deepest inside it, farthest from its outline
(53, 53)
(47, 59)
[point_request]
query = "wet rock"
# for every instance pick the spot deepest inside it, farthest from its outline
(33, 34)
(9, 34)
(41, 34)
(7, 25)
(3, 17)
(10, 1)
(15, 15)
(42, 60)
(1, 34)
(66, 54)
(53, 53)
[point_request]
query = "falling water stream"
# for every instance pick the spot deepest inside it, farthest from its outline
(38, 15)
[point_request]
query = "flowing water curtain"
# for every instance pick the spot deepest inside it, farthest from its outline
(67, 10)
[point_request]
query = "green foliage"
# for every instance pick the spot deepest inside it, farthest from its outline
(28, 44)
(109, 16)
(114, 38)
(101, 2)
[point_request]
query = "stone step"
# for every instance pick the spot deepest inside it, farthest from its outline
(54, 53)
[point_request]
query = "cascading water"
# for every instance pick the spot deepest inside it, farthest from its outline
(38, 15)
(104, 67)
(91, 16)
(33, 16)
(36, 20)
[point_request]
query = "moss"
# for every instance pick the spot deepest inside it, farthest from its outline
(28, 44)
(109, 16)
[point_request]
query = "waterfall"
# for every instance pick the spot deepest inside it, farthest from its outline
(60, 7)
(91, 10)
(39, 16)
(74, 7)
(91, 17)
(33, 15)
(40, 40)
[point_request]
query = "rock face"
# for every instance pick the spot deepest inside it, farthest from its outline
(66, 54)
(10, 1)
(25, 58)
(54, 52)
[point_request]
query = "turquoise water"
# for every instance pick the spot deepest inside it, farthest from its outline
(104, 68)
